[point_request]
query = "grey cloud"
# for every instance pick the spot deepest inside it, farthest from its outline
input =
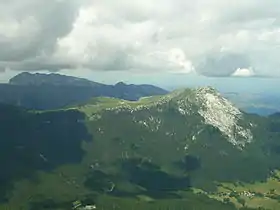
(35, 66)
(251, 11)
(128, 34)
(2, 69)
(222, 64)
(39, 23)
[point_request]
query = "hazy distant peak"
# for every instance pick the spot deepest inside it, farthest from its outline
(27, 78)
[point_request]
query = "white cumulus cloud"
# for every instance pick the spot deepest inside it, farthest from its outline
(244, 72)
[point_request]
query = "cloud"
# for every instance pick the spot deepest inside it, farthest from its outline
(222, 64)
(210, 37)
(30, 28)
(243, 72)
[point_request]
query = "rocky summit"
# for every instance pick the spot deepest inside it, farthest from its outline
(212, 108)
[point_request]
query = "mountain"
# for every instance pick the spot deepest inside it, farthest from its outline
(53, 91)
(189, 149)
(39, 79)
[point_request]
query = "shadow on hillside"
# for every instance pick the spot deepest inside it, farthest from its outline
(152, 178)
(37, 141)
(189, 163)
(154, 182)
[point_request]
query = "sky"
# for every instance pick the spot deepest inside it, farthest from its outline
(164, 42)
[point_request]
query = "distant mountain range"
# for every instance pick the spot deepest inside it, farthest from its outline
(53, 91)
(189, 149)
(38, 79)
(263, 104)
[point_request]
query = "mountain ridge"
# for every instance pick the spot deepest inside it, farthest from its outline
(57, 91)
(37, 79)
(215, 109)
